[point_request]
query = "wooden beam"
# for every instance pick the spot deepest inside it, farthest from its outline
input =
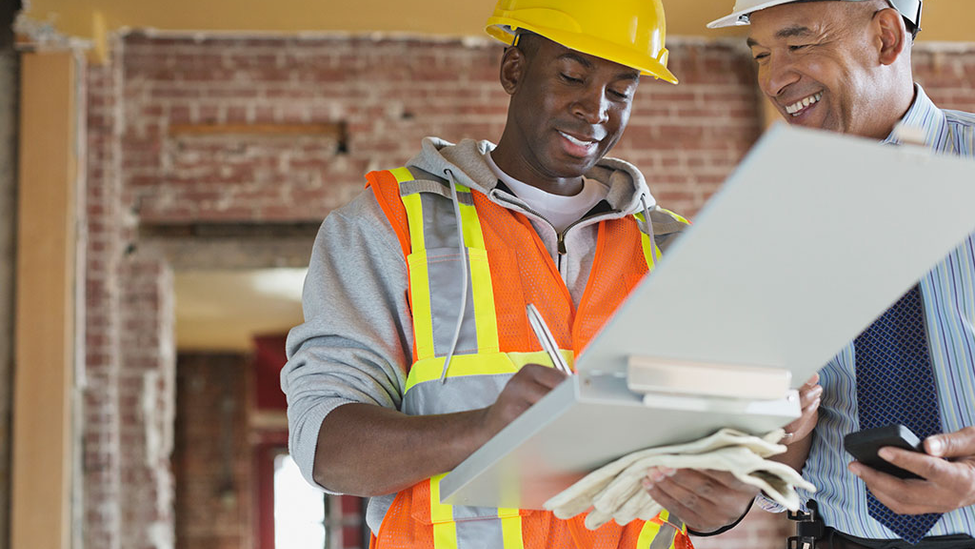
(45, 309)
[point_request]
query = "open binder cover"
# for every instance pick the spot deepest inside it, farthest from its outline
(812, 237)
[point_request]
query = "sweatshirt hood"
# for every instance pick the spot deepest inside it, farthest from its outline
(466, 163)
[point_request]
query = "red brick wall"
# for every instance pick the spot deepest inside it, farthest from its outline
(102, 448)
(212, 453)
(146, 387)
(129, 350)
(389, 94)
(947, 72)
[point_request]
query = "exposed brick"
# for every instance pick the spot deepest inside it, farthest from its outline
(389, 93)
(212, 457)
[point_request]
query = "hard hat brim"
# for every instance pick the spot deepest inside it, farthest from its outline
(504, 30)
(738, 18)
(909, 10)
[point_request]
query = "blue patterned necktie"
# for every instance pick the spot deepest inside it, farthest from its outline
(895, 384)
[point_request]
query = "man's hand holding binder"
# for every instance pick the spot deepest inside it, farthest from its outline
(707, 500)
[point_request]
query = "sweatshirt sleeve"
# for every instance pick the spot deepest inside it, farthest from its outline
(355, 343)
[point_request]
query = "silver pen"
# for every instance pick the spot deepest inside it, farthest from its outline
(546, 339)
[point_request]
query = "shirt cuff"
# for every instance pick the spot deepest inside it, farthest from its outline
(769, 505)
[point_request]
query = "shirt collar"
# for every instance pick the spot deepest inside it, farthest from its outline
(926, 116)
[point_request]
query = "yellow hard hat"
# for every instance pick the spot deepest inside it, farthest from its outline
(628, 32)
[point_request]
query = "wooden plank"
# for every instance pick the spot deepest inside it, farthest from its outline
(42, 453)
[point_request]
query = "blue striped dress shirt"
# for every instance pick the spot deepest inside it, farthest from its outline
(949, 304)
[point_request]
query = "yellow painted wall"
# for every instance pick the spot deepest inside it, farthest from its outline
(945, 20)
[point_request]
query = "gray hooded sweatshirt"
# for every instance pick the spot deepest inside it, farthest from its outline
(356, 343)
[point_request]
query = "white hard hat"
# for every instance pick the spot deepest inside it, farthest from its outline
(909, 9)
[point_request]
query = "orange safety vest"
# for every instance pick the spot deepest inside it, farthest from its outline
(509, 267)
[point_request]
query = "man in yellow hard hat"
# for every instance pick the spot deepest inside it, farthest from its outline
(845, 66)
(416, 348)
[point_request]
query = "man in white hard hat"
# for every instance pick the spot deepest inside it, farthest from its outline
(845, 66)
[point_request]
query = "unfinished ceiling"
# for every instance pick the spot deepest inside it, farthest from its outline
(945, 20)
(222, 310)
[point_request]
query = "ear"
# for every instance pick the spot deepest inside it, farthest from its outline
(513, 65)
(892, 36)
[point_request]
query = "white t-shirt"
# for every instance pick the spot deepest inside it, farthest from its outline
(560, 211)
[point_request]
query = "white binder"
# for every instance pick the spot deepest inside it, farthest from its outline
(812, 237)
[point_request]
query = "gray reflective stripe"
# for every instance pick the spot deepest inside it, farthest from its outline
(665, 536)
(672, 226)
(478, 534)
(446, 277)
(662, 223)
(433, 187)
(439, 223)
(459, 394)
(665, 227)
(462, 513)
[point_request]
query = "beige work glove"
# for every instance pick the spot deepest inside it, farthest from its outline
(616, 492)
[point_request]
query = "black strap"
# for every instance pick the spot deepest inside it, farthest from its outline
(723, 529)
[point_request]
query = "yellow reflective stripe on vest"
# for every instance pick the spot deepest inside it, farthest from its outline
(442, 517)
(511, 530)
(481, 364)
(678, 217)
(647, 535)
(445, 527)
(471, 224)
(421, 305)
(460, 365)
(414, 210)
(540, 357)
(485, 315)
(659, 533)
(419, 275)
(651, 252)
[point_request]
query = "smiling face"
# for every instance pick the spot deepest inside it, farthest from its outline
(567, 110)
(823, 64)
